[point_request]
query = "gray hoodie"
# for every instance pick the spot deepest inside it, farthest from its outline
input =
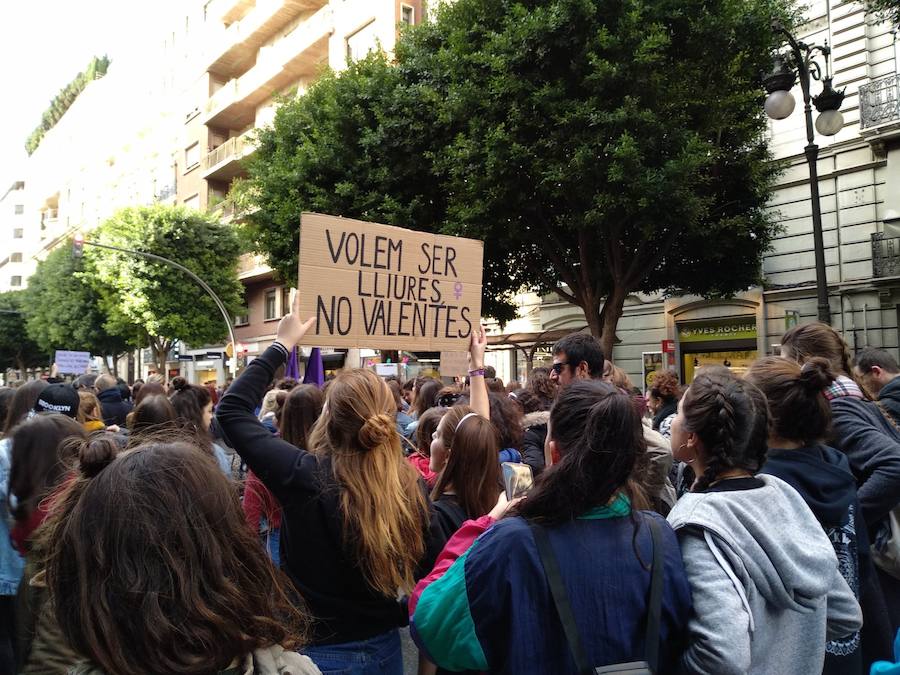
(765, 582)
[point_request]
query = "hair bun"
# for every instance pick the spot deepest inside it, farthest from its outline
(816, 374)
(179, 383)
(96, 453)
(377, 431)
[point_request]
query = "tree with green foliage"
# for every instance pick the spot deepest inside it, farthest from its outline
(17, 350)
(66, 310)
(163, 301)
(600, 148)
(886, 10)
(356, 144)
(96, 69)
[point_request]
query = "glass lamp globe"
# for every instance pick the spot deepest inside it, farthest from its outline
(829, 122)
(779, 105)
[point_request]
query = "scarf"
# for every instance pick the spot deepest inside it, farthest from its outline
(843, 386)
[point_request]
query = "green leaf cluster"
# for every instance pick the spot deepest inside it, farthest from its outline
(886, 10)
(64, 99)
(17, 349)
(598, 147)
(67, 308)
(163, 301)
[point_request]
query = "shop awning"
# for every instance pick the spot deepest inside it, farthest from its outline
(529, 341)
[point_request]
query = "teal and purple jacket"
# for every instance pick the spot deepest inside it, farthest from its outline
(486, 605)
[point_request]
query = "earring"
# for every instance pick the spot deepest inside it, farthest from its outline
(687, 461)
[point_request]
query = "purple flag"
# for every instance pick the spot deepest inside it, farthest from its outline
(292, 369)
(315, 369)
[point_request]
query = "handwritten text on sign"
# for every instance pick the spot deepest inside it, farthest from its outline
(371, 285)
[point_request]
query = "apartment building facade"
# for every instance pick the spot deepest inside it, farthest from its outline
(859, 183)
(15, 263)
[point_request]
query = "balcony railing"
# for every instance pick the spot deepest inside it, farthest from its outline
(232, 149)
(879, 102)
(165, 193)
(885, 255)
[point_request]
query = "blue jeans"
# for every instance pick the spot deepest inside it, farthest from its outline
(380, 655)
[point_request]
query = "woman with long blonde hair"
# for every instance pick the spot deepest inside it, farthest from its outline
(355, 523)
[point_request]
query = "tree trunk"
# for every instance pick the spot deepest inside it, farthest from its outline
(609, 320)
(161, 349)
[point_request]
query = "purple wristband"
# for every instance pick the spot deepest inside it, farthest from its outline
(478, 372)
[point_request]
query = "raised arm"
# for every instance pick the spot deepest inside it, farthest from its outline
(478, 393)
(269, 457)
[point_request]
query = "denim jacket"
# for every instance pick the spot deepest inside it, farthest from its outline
(11, 563)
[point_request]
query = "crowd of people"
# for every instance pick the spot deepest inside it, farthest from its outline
(736, 525)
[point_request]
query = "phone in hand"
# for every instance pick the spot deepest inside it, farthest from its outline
(517, 479)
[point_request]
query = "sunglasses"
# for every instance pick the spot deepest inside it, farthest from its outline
(557, 367)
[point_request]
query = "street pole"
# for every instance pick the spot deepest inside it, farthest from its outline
(203, 284)
(802, 58)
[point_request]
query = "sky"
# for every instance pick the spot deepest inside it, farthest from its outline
(44, 44)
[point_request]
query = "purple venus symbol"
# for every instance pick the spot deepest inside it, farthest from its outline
(458, 289)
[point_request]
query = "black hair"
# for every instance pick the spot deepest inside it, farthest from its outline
(731, 417)
(870, 356)
(580, 347)
(602, 448)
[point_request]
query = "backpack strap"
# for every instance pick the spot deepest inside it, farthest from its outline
(560, 597)
(564, 608)
(654, 607)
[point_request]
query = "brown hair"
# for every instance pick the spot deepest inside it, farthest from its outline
(384, 510)
(22, 403)
(40, 459)
(428, 424)
(665, 386)
(151, 567)
(540, 384)
(89, 409)
(394, 386)
(603, 452)
(300, 412)
(149, 389)
(797, 403)
(189, 400)
(153, 413)
(818, 339)
(426, 395)
(473, 465)
(619, 378)
(731, 417)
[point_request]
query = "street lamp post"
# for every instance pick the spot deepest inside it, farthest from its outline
(800, 62)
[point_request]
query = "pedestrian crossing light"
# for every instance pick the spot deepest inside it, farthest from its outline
(78, 246)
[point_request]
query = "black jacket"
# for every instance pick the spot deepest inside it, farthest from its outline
(872, 446)
(889, 397)
(535, 425)
(822, 476)
(315, 550)
(115, 410)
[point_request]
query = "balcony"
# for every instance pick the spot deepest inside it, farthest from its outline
(224, 162)
(293, 57)
(239, 43)
(879, 108)
(166, 193)
(228, 11)
(885, 255)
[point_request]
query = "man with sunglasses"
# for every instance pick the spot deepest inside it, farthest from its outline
(577, 356)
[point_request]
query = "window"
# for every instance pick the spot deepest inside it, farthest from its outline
(285, 300)
(361, 42)
(15, 257)
(193, 202)
(407, 15)
(271, 299)
(242, 320)
(18, 233)
(20, 209)
(15, 281)
(191, 156)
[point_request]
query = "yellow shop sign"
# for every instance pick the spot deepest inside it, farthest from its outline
(734, 328)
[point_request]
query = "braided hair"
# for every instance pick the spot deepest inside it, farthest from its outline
(731, 418)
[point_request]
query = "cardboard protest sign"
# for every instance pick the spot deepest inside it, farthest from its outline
(72, 363)
(383, 287)
(454, 364)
